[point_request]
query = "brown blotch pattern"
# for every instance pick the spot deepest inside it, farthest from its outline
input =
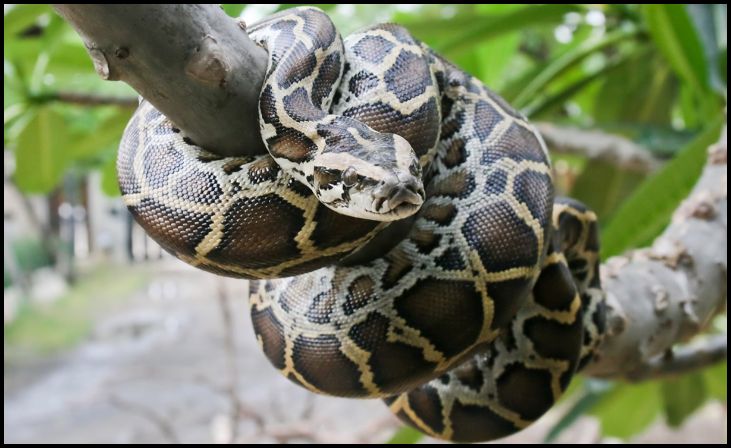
(396, 366)
(442, 214)
(445, 312)
(399, 265)
(320, 362)
(360, 292)
(425, 240)
(272, 336)
(526, 391)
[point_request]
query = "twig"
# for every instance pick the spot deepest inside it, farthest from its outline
(86, 99)
(376, 427)
(161, 423)
(192, 62)
(595, 144)
(683, 359)
(295, 431)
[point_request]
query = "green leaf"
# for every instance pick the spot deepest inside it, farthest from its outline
(722, 65)
(645, 75)
(569, 59)
(682, 396)
(628, 409)
(464, 31)
(545, 104)
(70, 58)
(646, 213)
(25, 51)
(716, 381)
(489, 60)
(40, 155)
(585, 402)
(19, 17)
(688, 109)
(233, 10)
(497, 56)
(106, 133)
(603, 186)
(406, 435)
(14, 89)
(17, 125)
(47, 145)
(436, 27)
(672, 31)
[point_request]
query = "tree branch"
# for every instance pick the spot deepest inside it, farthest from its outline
(684, 359)
(198, 67)
(666, 294)
(86, 99)
(162, 423)
(595, 144)
(192, 62)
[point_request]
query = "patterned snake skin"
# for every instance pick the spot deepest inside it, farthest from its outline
(472, 319)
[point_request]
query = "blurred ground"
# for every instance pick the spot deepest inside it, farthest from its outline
(163, 366)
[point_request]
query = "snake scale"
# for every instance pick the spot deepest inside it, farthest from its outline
(469, 321)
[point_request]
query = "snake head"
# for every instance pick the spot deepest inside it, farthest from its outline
(368, 175)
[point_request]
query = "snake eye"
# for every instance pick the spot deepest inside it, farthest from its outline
(325, 177)
(350, 176)
(415, 170)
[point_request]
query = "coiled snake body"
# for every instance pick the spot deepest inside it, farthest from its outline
(470, 323)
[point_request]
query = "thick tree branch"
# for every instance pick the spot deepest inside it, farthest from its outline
(666, 294)
(192, 62)
(200, 68)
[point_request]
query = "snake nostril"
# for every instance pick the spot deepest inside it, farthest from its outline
(415, 187)
(404, 194)
(386, 187)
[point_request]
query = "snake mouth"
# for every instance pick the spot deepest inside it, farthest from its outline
(401, 201)
(405, 210)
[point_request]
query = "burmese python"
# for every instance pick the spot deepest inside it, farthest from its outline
(472, 320)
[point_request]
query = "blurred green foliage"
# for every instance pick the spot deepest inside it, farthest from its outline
(406, 435)
(653, 73)
(44, 57)
(624, 410)
(30, 254)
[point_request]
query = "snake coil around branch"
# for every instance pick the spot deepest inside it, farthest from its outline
(472, 323)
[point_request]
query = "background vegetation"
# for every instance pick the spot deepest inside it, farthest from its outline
(655, 74)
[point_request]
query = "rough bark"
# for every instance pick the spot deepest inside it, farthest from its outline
(193, 62)
(667, 293)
